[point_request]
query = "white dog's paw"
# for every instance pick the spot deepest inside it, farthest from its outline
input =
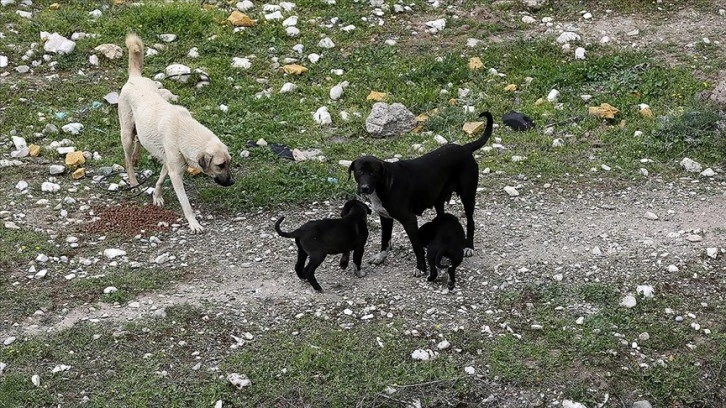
(379, 258)
(417, 272)
(361, 273)
(468, 252)
(195, 227)
(158, 200)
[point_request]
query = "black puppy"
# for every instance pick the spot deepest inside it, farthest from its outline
(444, 240)
(317, 239)
(404, 189)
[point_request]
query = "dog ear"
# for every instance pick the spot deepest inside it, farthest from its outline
(350, 169)
(204, 160)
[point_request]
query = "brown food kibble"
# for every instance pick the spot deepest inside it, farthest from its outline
(130, 220)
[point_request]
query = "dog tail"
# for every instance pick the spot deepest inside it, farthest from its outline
(477, 144)
(280, 231)
(136, 54)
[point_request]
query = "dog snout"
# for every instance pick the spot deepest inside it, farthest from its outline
(224, 181)
(365, 189)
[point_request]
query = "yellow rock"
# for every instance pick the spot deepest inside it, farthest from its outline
(471, 128)
(75, 159)
(452, 101)
(475, 63)
(54, 6)
(425, 116)
(118, 2)
(605, 111)
(239, 19)
(294, 69)
(79, 173)
(510, 88)
(34, 150)
(376, 96)
(539, 101)
(193, 171)
(645, 111)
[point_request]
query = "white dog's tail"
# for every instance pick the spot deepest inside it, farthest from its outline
(136, 54)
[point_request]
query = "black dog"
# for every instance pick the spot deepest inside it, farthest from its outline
(328, 236)
(404, 189)
(444, 240)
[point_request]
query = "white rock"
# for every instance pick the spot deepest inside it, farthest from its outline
(348, 28)
(587, 16)
(436, 25)
(223, 108)
(111, 253)
(134, 305)
(56, 169)
(326, 43)
(694, 238)
(240, 62)
(109, 289)
(553, 95)
(2, 367)
(42, 258)
(336, 92)
(65, 150)
(3, 61)
(558, 142)
(244, 5)
(193, 52)
(528, 20)
(60, 368)
(218, 404)
(179, 72)
(579, 53)
(629, 301)
(708, 172)
(322, 116)
(511, 191)
(56, 43)
(163, 258)
(35, 379)
(167, 37)
(645, 290)
(41, 274)
(292, 31)
(277, 15)
(49, 187)
(651, 216)
(239, 380)
(672, 268)
(572, 404)
(712, 252)
(423, 355)
(605, 167)
(21, 185)
(596, 251)
(443, 345)
(95, 13)
(470, 370)
(586, 97)
(72, 128)
(287, 87)
(290, 21)
(8, 341)
(691, 166)
(567, 37)
(314, 58)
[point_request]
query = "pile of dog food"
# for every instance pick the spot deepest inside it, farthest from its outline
(130, 220)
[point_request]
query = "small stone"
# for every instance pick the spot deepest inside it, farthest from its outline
(511, 191)
(109, 290)
(110, 51)
(469, 370)
(440, 140)
(111, 253)
(238, 380)
(567, 37)
(642, 404)
(579, 53)
(629, 301)
(8, 341)
(49, 187)
(21, 185)
(691, 166)
(712, 252)
(35, 379)
(163, 258)
(73, 128)
(553, 95)
(645, 291)
(326, 43)
(79, 174)
(167, 38)
(443, 345)
(239, 19)
(672, 268)
(34, 150)
(75, 159)
(694, 238)
(244, 63)
(134, 305)
(651, 216)
(708, 172)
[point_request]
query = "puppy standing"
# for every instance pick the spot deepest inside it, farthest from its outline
(404, 189)
(444, 240)
(168, 132)
(317, 239)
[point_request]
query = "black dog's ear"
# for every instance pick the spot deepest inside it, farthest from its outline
(350, 169)
(204, 160)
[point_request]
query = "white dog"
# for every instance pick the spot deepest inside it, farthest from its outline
(168, 132)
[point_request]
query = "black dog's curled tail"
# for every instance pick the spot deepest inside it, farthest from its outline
(477, 144)
(280, 231)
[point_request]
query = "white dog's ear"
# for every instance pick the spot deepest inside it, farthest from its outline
(204, 160)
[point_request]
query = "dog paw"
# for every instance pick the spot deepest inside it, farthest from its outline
(417, 273)
(158, 201)
(361, 273)
(468, 252)
(379, 258)
(195, 227)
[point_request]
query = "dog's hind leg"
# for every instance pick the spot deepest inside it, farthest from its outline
(301, 257)
(386, 232)
(176, 180)
(357, 259)
(469, 201)
(315, 261)
(452, 278)
(433, 272)
(128, 141)
(344, 259)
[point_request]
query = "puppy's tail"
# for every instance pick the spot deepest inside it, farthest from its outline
(136, 54)
(280, 231)
(477, 144)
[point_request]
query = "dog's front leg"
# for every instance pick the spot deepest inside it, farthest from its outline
(157, 197)
(411, 226)
(358, 259)
(386, 232)
(344, 259)
(178, 183)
